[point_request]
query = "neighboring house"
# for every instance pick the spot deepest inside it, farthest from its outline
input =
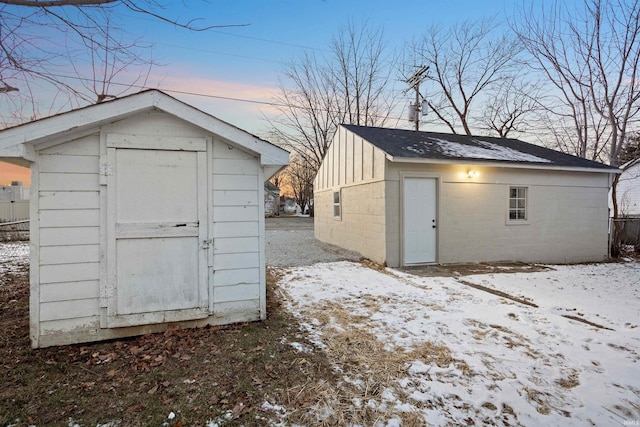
(147, 213)
(628, 190)
(271, 199)
(403, 197)
(291, 207)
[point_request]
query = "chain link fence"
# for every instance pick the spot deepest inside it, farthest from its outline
(14, 243)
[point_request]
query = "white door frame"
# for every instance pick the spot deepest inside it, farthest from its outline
(437, 179)
(108, 298)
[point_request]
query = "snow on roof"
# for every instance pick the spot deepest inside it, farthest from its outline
(485, 150)
(403, 144)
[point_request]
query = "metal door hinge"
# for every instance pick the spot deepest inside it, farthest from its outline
(106, 169)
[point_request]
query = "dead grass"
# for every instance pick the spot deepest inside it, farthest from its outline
(199, 374)
(370, 367)
(570, 382)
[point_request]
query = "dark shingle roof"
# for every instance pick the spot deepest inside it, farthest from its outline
(409, 144)
(270, 186)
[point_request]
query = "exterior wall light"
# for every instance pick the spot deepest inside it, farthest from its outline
(472, 174)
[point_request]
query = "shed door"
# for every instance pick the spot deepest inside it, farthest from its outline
(157, 234)
(419, 220)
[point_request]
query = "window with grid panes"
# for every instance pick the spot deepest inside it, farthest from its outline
(518, 204)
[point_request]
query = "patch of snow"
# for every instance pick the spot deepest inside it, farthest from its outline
(266, 406)
(301, 347)
(514, 364)
(392, 422)
(487, 150)
(14, 256)
(220, 421)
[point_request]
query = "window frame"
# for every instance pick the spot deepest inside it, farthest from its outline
(518, 209)
(337, 204)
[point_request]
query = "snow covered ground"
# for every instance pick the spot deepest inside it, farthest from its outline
(13, 256)
(468, 356)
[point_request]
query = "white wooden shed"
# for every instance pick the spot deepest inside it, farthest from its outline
(146, 213)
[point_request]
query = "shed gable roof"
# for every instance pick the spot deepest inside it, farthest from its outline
(17, 142)
(409, 145)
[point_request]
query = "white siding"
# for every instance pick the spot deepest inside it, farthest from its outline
(69, 238)
(349, 160)
(235, 274)
(69, 269)
(628, 192)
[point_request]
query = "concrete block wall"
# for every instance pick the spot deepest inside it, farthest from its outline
(567, 215)
(362, 225)
(566, 224)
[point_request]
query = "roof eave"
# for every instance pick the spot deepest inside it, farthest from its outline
(13, 140)
(270, 154)
(513, 165)
(21, 154)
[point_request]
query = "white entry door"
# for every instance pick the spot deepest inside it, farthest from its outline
(157, 233)
(420, 222)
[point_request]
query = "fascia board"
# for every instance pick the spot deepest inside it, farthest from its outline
(20, 154)
(97, 115)
(269, 153)
(501, 165)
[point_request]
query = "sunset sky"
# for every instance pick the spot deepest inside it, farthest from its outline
(244, 62)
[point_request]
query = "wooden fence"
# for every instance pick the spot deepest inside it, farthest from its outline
(628, 230)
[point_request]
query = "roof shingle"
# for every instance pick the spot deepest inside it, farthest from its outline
(409, 144)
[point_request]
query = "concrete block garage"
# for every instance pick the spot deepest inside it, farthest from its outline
(404, 198)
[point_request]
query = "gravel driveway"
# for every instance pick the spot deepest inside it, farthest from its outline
(290, 243)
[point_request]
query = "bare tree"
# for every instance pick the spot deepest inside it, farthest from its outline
(39, 39)
(278, 179)
(299, 176)
(351, 84)
(465, 61)
(631, 150)
(511, 105)
(107, 63)
(590, 57)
